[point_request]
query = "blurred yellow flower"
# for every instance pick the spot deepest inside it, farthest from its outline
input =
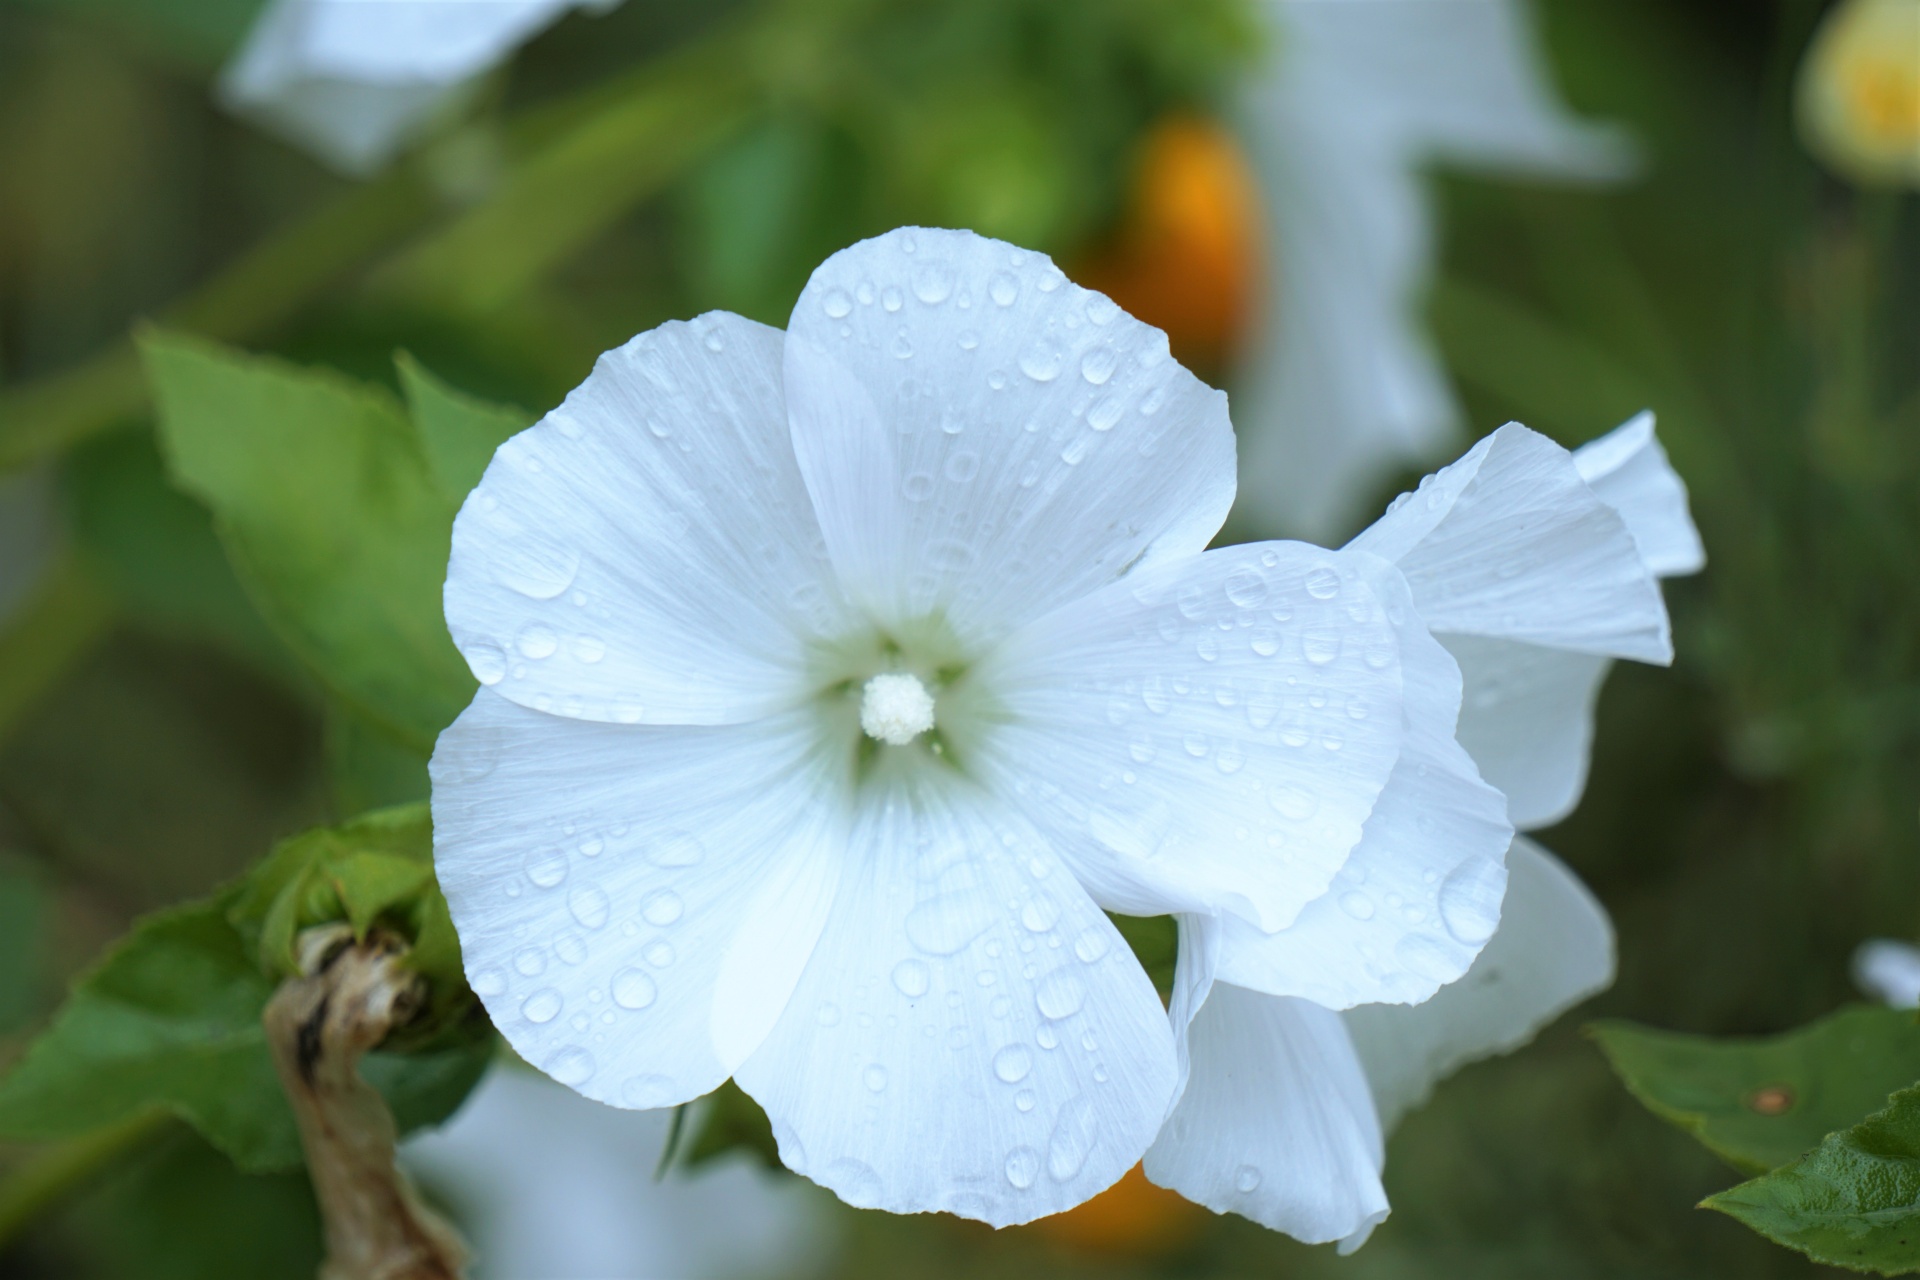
(1859, 91)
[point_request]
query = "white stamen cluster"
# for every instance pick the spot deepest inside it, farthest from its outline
(896, 708)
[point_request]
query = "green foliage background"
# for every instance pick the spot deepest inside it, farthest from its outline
(196, 680)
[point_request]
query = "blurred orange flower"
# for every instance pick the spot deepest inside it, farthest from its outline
(1131, 1217)
(1187, 253)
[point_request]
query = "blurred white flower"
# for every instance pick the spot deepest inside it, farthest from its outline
(1888, 971)
(1340, 386)
(1858, 97)
(1522, 554)
(549, 1186)
(835, 680)
(355, 80)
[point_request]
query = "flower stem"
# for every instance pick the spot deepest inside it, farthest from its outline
(318, 1027)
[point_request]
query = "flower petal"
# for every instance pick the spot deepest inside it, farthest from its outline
(1421, 894)
(1629, 470)
(1527, 721)
(985, 439)
(1510, 542)
(1554, 948)
(553, 1185)
(1209, 735)
(1888, 971)
(972, 1034)
(634, 904)
(352, 81)
(1276, 1123)
(1342, 385)
(646, 553)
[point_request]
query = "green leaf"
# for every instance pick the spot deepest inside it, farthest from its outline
(1760, 1103)
(155, 549)
(1852, 1202)
(322, 495)
(458, 431)
(170, 1019)
(367, 768)
(732, 1121)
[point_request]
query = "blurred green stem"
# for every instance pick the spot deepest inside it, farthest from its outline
(58, 627)
(53, 1174)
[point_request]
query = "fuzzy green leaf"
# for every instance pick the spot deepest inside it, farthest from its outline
(458, 431)
(1759, 1103)
(170, 1020)
(324, 499)
(1854, 1201)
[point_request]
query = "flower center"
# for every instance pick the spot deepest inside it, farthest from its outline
(896, 708)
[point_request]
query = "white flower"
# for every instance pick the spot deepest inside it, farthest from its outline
(355, 80)
(1341, 387)
(1535, 567)
(1888, 971)
(548, 1184)
(1858, 96)
(837, 679)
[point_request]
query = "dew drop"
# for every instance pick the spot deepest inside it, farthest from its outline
(633, 989)
(962, 467)
(1023, 1166)
(542, 1006)
(853, 1182)
(837, 304)
(488, 664)
(589, 649)
(659, 954)
(1003, 288)
(570, 947)
(1247, 1180)
(1090, 946)
(1357, 904)
(891, 298)
(1296, 804)
(537, 642)
(932, 283)
(530, 962)
(912, 978)
(1470, 901)
(537, 571)
(1042, 361)
(1074, 1129)
(1247, 587)
(590, 906)
(1013, 1063)
(1320, 647)
(572, 1066)
(662, 907)
(1098, 365)
(1060, 994)
(1040, 913)
(875, 1077)
(547, 868)
(1323, 584)
(489, 982)
(1023, 1101)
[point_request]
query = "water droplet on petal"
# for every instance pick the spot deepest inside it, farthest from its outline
(853, 1182)
(542, 1006)
(1013, 1063)
(1323, 584)
(1470, 901)
(547, 868)
(1247, 587)
(1060, 994)
(1075, 1128)
(633, 989)
(572, 1066)
(1003, 288)
(1357, 904)
(1023, 1166)
(590, 906)
(912, 978)
(891, 298)
(932, 282)
(1098, 365)
(1247, 1180)
(662, 907)
(488, 664)
(875, 1077)
(837, 304)
(1042, 360)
